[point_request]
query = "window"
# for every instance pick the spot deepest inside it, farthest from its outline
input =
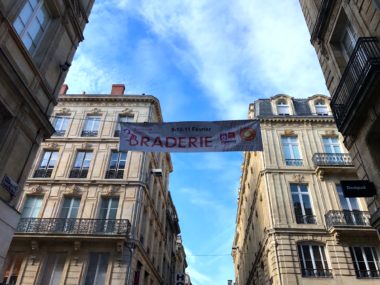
(97, 268)
(52, 271)
(302, 204)
(32, 23)
(68, 214)
(60, 125)
(282, 108)
(352, 214)
(107, 215)
(321, 108)
(313, 261)
(291, 152)
(91, 126)
(47, 164)
(32, 207)
(331, 145)
(117, 165)
(366, 262)
(12, 268)
(81, 164)
(122, 119)
(347, 40)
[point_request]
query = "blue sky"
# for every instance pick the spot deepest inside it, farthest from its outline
(204, 60)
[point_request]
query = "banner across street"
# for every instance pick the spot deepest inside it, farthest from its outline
(240, 135)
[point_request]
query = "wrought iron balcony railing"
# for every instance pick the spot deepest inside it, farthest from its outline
(306, 219)
(43, 173)
(320, 23)
(293, 162)
(311, 272)
(89, 133)
(356, 79)
(332, 159)
(73, 226)
(347, 218)
(114, 174)
(59, 133)
(78, 173)
(368, 273)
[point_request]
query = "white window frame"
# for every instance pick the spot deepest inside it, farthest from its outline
(122, 118)
(293, 144)
(35, 206)
(281, 105)
(47, 167)
(56, 256)
(332, 143)
(321, 108)
(60, 121)
(90, 124)
(85, 158)
(322, 256)
(24, 32)
(365, 259)
(301, 195)
(97, 281)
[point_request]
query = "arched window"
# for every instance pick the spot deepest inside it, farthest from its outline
(321, 108)
(283, 108)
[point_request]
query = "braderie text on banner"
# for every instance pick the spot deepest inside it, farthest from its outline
(240, 135)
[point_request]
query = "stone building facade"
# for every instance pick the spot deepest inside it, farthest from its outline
(38, 39)
(92, 214)
(345, 35)
(293, 224)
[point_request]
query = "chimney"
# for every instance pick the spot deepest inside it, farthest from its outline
(117, 89)
(63, 89)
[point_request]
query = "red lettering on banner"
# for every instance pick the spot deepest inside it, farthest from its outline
(144, 141)
(208, 142)
(181, 142)
(157, 142)
(167, 142)
(133, 141)
(192, 141)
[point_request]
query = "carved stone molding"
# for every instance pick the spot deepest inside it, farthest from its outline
(127, 111)
(73, 190)
(110, 190)
(330, 133)
(289, 132)
(37, 190)
(52, 145)
(63, 111)
(95, 111)
(299, 178)
(86, 145)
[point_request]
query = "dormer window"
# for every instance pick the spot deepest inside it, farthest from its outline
(321, 108)
(283, 108)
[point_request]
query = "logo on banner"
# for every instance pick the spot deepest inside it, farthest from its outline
(227, 138)
(247, 134)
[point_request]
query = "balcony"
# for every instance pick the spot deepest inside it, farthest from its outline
(78, 173)
(368, 274)
(332, 163)
(349, 222)
(73, 227)
(114, 174)
(293, 162)
(320, 23)
(43, 173)
(89, 133)
(359, 83)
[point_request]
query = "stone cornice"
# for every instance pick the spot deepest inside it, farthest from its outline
(113, 98)
(300, 119)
